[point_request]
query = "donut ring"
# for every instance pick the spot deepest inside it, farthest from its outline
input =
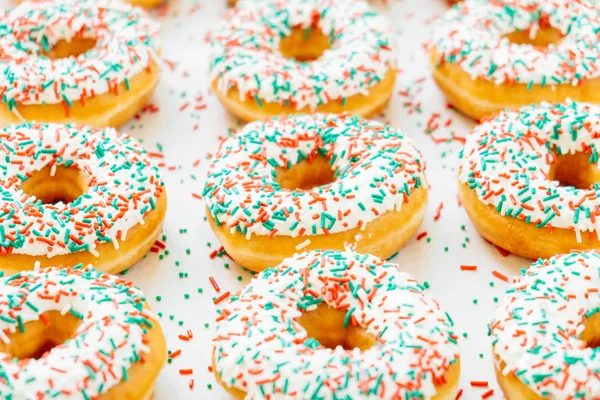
(258, 69)
(510, 176)
(332, 324)
(74, 195)
(302, 182)
(138, 3)
(545, 332)
(147, 4)
(91, 62)
(518, 53)
(77, 331)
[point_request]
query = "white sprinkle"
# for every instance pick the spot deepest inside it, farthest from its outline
(65, 309)
(303, 244)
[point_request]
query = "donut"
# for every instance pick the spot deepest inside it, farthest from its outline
(144, 3)
(487, 56)
(274, 57)
(335, 325)
(77, 333)
(545, 332)
(528, 179)
(73, 194)
(306, 182)
(90, 62)
(137, 3)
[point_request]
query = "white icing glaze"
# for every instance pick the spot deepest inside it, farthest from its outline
(245, 51)
(471, 35)
(107, 342)
(126, 44)
(506, 160)
(377, 167)
(123, 188)
(536, 328)
(261, 349)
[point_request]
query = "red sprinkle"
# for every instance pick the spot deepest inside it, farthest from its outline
(505, 253)
(438, 212)
(186, 371)
(221, 297)
(479, 384)
(214, 284)
(487, 394)
(458, 394)
(421, 235)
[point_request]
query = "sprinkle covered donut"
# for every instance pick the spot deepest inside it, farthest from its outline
(528, 179)
(491, 55)
(545, 332)
(89, 62)
(71, 194)
(303, 182)
(332, 325)
(76, 333)
(273, 57)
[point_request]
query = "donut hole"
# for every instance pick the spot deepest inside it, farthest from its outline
(72, 48)
(544, 36)
(39, 337)
(326, 326)
(574, 170)
(305, 175)
(590, 334)
(52, 185)
(304, 45)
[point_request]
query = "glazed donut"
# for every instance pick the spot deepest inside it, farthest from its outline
(273, 57)
(545, 332)
(491, 55)
(302, 182)
(528, 179)
(74, 195)
(144, 3)
(335, 325)
(77, 333)
(233, 3)
(90, 62)
(138, 3)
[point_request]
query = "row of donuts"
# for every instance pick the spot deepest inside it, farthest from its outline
(86, 286)
(100, 67)
(527, 179)
(86, 198)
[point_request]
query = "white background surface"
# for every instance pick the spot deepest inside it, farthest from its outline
(184, 134)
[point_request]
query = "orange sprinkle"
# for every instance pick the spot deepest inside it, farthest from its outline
(468, 267)
(500, 276)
